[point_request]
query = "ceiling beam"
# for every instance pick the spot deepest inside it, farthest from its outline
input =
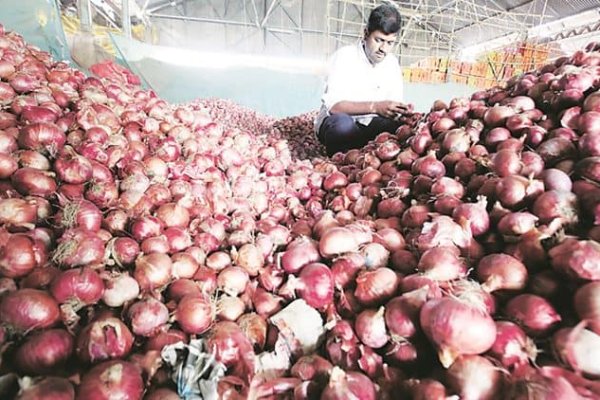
(268, 13)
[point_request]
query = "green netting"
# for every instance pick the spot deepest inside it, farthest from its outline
(38, 21)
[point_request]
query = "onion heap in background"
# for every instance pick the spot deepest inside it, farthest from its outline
(459, 255)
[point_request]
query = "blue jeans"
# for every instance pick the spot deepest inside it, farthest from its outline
(339, 132)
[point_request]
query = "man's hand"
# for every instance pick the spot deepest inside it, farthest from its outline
(389, 109)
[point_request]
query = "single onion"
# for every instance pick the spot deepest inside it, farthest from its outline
(316, 285)
(82, 285)
(119, 290)
(513, 348)
(147, 316)
(346, 385)
(52, 388)
(44, 351)
(28, 309)
(152, 271)
(501, 271)
(457, 328)
(474, 377)
(104, 339)
(195, 314)
(112, 379)
(587, 305)
(371, 329)
(578, 348)
(534, 313)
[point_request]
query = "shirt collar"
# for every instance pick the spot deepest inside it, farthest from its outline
(362, 54)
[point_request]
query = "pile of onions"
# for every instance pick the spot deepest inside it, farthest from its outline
(465, 241)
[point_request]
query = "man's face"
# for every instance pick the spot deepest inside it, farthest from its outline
(378, 45)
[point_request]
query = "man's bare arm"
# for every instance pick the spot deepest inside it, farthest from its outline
(386, 108)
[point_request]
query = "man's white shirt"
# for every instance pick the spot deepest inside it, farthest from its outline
(352, 77)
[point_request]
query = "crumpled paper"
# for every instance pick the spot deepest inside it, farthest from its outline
(301, 326)
(195, 370)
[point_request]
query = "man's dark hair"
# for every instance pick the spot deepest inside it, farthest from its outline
(384, 18)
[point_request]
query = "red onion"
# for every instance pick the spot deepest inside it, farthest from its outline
(311, 367)
(79, 247)
(44, 137)
(255, 328)
(34, 182)
(457, 328)
(402, 317)
(50, 387)
(442, 264)
(534, 313)
(555, 150)
(556, 204)
(229, 308)
(513, 348)
(195, 314)
(497, 115)
(474, 377)
(232, 348)
(119, 290)
(162, 339)
(81, 285)
(232, 280)
(429, 166)
(578, 347)
(370, 328)
(112, 379)
(345, 385)
(506, 162)
(8, 165)
(17, 310)
(72, 168)
(173, 215)
(537, 386)
(147, 316)
(152, 271)
(104, 339)
(44, 351)
(587, 305)
(162, 394)
(376, 286)
(316, 285)
(589, 122)
(299, 252)
(475, 214)
(516, 223)
(18, 255)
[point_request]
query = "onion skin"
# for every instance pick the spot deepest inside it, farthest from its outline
(194, 314)
(587, 305)
(457, 328)
(147, 316)
(83, 285)
(104, 339)
(579, 259)
(16, 310)
(112, 379)
(578, 348)
(501, 271)
(534, 313)
(345, 385)
(474, 377)
(50, 388)
(44, 351)
(512, 348)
